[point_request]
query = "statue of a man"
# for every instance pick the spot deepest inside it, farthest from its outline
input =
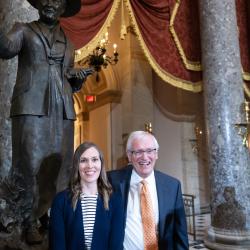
(42, 110)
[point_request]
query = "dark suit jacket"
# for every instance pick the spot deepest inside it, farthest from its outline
(31, 92)
(66, 226)
(172, 220)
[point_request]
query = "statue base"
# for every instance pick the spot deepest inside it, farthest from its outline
(222, 239)
(16, 241)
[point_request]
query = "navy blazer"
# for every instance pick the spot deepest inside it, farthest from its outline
(172, 220)
(66, 225)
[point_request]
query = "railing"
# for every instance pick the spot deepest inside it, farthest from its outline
(188, 200)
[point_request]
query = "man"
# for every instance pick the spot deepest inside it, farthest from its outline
(164, 192)
(42, 111)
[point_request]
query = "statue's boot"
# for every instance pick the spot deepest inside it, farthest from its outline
(4, 190)
(33, 235)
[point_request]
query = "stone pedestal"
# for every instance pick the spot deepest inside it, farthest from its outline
(224, 97)
(220, 239)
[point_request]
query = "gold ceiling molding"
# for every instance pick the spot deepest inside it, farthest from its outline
(167, 77)
(190, 65)
(89, 47)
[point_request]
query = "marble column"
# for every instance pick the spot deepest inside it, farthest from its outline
(223, 96)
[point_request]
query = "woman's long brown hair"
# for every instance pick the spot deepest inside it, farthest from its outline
(103, 185)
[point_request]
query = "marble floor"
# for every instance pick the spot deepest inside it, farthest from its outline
(202, 222)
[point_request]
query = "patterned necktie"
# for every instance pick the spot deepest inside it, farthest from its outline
(148, 222)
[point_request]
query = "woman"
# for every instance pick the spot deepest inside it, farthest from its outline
(88, 215)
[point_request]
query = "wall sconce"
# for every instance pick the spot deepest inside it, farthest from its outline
(243, 128)
(99, 57)
(148, 127)
(194, 145)
(194, 142)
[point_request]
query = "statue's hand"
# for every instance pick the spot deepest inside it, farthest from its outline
(77, 76)
(79, 73)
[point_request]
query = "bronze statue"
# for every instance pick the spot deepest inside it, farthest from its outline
(42, 111)
(230, 214)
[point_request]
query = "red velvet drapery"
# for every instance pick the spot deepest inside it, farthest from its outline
(168, 31)
(243, 20)
(83, 27)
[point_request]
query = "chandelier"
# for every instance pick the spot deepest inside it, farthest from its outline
(99, 58)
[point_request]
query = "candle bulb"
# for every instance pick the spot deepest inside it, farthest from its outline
(106, 36)
(102, 42)
(115, 47)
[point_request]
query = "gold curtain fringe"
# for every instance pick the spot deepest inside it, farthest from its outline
(246, 90)
(123, 31)
(195, 66)
(177, 82)
(88, 48)
(246, 76)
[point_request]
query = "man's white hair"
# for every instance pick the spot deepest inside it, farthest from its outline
(137, 135)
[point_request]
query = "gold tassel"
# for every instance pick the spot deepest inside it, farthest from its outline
(123, 31)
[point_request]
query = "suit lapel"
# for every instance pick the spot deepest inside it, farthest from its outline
(124, 186)
(162, 192)
(77, 229)
(35, 28)
(68, 51)
(99, 217)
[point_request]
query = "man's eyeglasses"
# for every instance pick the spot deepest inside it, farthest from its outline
(140, 153)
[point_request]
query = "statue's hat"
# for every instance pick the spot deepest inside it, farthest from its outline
(72, 7)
